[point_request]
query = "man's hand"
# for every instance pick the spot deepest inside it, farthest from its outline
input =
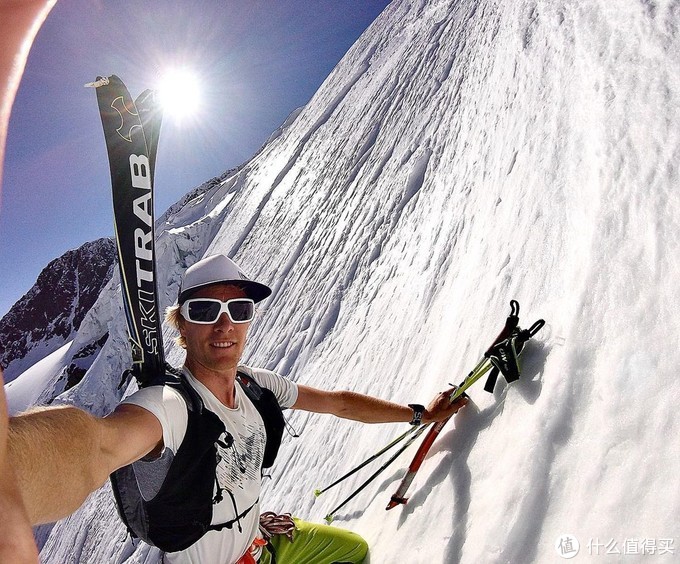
(441, 407)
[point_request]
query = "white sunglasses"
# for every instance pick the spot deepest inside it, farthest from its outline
(208, 310)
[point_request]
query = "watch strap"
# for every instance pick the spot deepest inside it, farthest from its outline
(418, 411)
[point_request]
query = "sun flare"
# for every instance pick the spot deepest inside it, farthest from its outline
(180, 93)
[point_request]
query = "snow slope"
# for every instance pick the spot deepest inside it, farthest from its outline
(463, 154)
(26, 390)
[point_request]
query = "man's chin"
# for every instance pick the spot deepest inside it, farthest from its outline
(216, 363)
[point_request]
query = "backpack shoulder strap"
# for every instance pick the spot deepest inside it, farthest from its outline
(269, 409)
(252, 389)
(175, 379)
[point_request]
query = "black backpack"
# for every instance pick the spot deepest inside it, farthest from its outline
(180, 512)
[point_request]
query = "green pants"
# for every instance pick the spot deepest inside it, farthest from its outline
(317, 544)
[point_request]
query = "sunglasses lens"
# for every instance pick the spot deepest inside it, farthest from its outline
(203, 311)
(241, 311)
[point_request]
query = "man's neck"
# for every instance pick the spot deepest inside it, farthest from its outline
(220, 382)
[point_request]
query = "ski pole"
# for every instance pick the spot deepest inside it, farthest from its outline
(482, 368)
(398, 497)
(418, 431)
(370, 459)
(510, 329)
(401, 437)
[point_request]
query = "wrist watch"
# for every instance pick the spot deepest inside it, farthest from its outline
(418, 411)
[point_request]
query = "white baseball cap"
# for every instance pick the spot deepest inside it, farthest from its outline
(219, 269)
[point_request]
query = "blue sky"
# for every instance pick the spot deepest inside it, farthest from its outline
(258, 61)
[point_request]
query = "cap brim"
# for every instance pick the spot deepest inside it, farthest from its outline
(254, 290)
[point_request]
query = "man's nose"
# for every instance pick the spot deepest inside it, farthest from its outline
(223, 322)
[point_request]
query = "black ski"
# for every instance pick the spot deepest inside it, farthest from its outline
(131, 130)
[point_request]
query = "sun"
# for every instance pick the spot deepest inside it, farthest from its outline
(179, 92)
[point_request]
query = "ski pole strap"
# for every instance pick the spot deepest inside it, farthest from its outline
(491, 380)
(536, 327)
(504, 358)
(504, 355)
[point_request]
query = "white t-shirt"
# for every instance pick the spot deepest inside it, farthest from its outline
(240, 452)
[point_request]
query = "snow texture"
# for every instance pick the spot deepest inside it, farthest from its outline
(463, 153)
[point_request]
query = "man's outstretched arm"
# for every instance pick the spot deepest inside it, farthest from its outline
(369, 409)
(19, 22)
(62, 454)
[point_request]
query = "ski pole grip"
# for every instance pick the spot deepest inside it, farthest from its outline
(456, 393)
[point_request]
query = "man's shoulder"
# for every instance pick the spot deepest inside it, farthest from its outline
(169, 407)
(256, 371)
(262, 376)
(283, 388)
(160, 394)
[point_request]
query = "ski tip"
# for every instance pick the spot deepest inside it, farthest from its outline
(396, 501)
(101, 81)
(317, 493)
(328, 518)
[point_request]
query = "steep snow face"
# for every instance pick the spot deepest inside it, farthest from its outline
(461, 155)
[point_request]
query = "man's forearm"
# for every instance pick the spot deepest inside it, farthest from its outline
(55, 455)
(369, 409)
(351, 405)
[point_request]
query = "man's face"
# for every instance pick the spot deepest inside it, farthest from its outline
(217, 346)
